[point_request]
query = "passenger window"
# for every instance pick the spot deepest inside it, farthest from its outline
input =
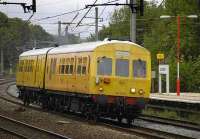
(104, 66)
(84, 70)
(62, 69)
(71, 67)
(122, 67)
(139, 68)
(66, 69)
(79, 66)
(84, 66)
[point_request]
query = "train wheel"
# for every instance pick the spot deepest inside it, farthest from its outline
(95, 112)
(95, 117)
(119, 119)
(87, 115)
(129, 122)
(88, 112)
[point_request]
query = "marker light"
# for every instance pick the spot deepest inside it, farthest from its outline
(141, 92)
(133, 90)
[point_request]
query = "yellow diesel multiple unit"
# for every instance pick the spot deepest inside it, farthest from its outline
(99, 78)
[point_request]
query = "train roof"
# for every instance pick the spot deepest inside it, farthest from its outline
(36, 52)
(82, 47)
(85, 47)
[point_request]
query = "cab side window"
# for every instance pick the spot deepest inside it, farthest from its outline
(104, 66)
(62, 66)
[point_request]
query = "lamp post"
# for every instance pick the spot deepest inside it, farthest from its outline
(178, 57)
(178, 18)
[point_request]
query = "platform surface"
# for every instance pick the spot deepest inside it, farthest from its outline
(184, 97)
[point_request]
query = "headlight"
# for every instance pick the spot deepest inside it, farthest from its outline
(141, 91)
(133, 90)
(100, 89)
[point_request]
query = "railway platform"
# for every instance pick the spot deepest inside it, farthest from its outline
(186, 102)
(184, 97)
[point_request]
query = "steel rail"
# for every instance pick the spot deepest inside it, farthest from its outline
(6, 81)
(29, 127)
(173, 122)
(144, 131)
(19, 123)
(13, 133)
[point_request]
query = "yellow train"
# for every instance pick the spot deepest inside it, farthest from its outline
(109, 78)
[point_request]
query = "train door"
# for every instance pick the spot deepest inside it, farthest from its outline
(39, 71)
(70, 76)
(82, 78)
(62, 79)
(36, 73)
(51, 82)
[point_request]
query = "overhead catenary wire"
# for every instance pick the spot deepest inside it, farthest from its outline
(89, 10)
(85, 14)
(49, 17)
(30, 18)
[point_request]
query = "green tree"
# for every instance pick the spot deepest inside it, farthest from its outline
(15, 35)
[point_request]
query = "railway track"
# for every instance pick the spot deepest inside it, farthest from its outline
(20, 129)
(136, 130)
(173, 122)
(5, 81)
(146, 132)
(26, 131)
(11, 133)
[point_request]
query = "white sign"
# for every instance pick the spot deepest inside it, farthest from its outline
(122, 53)
(163, 69)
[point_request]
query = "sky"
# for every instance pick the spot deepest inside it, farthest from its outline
(47, 8)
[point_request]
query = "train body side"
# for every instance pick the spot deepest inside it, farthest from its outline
(31, 69)
(68, 72)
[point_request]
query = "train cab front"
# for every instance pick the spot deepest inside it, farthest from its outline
(122, 80)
